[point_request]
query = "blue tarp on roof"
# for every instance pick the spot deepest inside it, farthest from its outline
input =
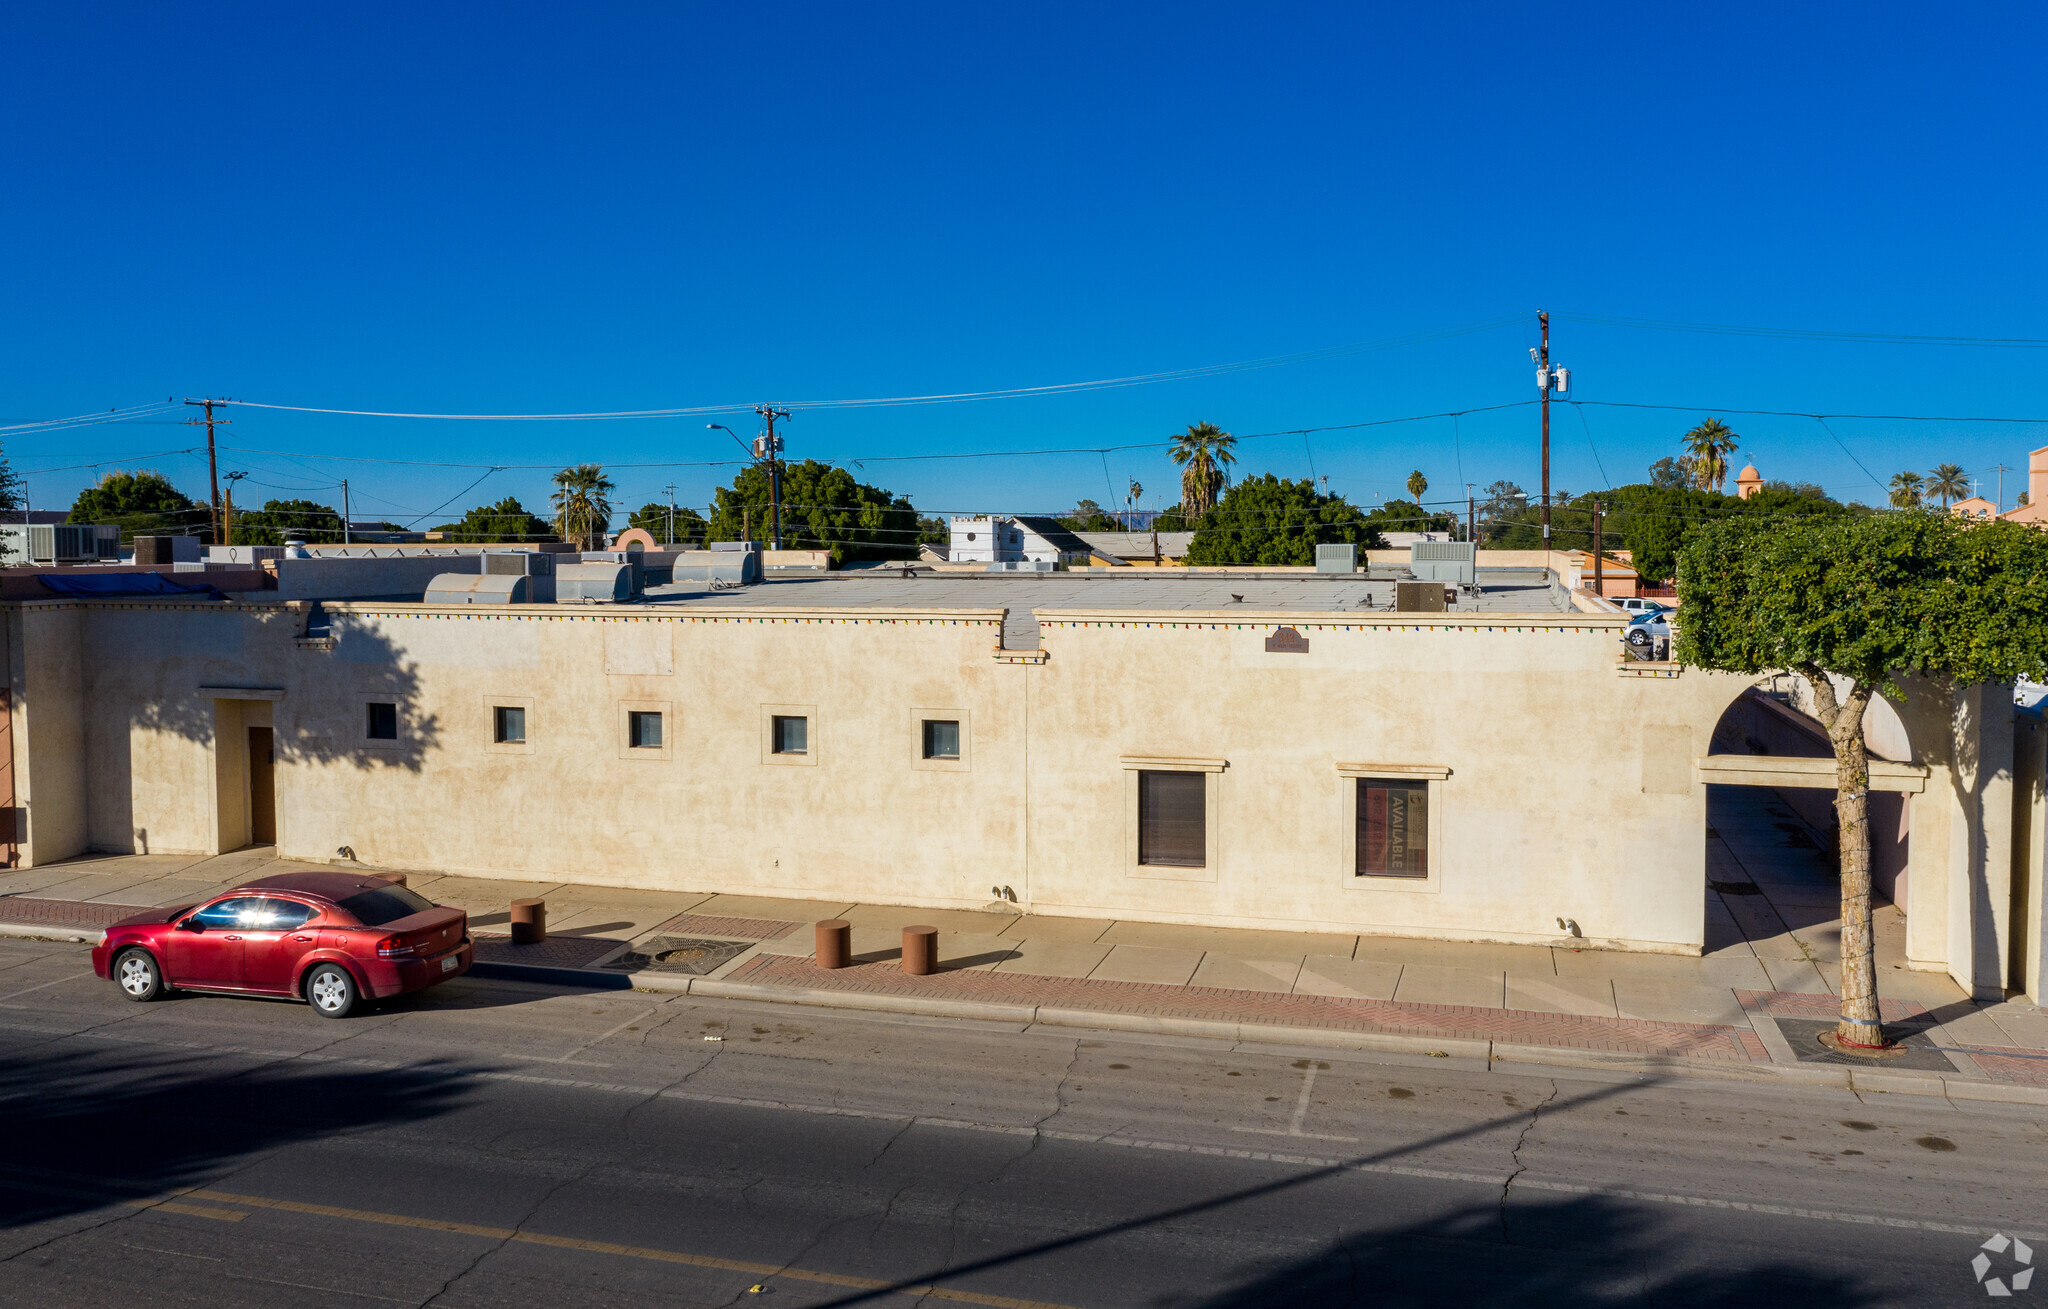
(111, 584)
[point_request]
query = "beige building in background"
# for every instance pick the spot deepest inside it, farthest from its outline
(1204, 765)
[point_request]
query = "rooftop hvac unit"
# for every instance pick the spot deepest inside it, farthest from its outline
(1453, 562)
(518, 563)
(166, 550)
(1024, 566)
(62, 543)
(594, 582)
(1336, 558)
(736, 567)
(476, 589)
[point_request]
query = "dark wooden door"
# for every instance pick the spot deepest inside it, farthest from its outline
(262, 795)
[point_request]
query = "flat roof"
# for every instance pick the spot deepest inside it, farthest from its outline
(1501, 590)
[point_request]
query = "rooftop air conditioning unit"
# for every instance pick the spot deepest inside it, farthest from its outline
(1455, 563)
(1336, 558)
(1024, 566)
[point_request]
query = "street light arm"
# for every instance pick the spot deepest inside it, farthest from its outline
(734, 435)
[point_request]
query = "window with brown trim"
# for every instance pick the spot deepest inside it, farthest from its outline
(1393, 828)
(1173, 816)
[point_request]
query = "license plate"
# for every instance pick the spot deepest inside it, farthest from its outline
(448, 964)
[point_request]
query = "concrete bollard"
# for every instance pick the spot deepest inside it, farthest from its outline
(920, 951)
(529, 922)
(835, 943)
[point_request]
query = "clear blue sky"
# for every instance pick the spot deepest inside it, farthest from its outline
(498, 208)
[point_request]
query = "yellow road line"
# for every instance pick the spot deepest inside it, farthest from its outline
(599, 1247)
(200, 1211)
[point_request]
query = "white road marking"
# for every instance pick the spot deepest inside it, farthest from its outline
(1308, 1084)
(46, 985)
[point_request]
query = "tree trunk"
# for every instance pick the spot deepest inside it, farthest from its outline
(1859, 1024)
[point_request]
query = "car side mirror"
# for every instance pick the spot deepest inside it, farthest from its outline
(191, 925)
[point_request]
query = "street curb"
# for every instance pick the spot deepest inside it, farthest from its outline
(51, 932)
(588, 978)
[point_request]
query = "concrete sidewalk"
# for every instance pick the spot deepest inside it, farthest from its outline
(1757, 998)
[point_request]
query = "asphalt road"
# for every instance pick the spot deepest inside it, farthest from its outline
(497, 1144)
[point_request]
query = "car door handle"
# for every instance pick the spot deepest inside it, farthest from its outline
(231, 937)
(302, 938)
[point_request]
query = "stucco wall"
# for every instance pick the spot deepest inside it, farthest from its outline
(1569, 790)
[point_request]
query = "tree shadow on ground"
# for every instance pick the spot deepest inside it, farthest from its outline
(90, 1129)
(1589, 1252)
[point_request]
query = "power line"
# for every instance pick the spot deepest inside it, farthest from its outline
(1807, 334)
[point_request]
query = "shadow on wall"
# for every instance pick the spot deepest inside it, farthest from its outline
(1588, 1252)
(325, 715)
(92, 1129)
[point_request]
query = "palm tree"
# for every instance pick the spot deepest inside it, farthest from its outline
(583, 507)
(1707, 449)
(1417, 484)
(1950, 482)
(1907, 490)
(1202, 451)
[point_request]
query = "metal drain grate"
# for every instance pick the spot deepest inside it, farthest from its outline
(680, 954)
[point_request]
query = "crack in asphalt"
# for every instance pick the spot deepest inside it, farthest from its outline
(1515, 1157)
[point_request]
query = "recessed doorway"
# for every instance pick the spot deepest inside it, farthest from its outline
(262, 788)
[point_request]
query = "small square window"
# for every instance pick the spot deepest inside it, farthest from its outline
(941, 738)
(1393, 828)
(643, 730)
(381, 721)
(791, 735)
(508, 725)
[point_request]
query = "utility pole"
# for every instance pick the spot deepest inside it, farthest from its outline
(2002, 471)
(228, 508)
(1546, 381)
(1471, 515)
(1598, 588)
(344, 511)
(212, 468)
(671, 489)
(769, 447)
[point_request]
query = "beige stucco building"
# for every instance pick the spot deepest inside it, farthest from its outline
(1328, 766)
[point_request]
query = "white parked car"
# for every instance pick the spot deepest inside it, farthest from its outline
(1637, 604)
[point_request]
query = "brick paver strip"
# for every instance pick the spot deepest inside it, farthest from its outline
(2011, 1064)
(555, 952)
(1801, 1004)
(1626, 1035)
(65, 913)
(739, 929)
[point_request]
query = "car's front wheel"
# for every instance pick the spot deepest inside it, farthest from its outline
(138, 975)
(1639, 639)
(331, 991)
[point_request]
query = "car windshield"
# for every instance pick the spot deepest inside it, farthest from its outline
(383, 905)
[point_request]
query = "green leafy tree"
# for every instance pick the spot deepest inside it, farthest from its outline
(141, 504)
(1417, 484)
(1908, 490)
(1204, 453)
(934, 531)
(1669, 474)
(1950, 482)
(583, 507)
(1707, 449)
(1273, 521)
(653, 518)
(1088, 516)
(1408, 516)
(279, 521)
(823, 508)
(1852, 603)
(505, 521)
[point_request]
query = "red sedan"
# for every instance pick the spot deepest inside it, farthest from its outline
(330, 939)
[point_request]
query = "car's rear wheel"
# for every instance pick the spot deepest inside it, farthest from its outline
(1638, 638)
(138, 975)
(331, 991)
